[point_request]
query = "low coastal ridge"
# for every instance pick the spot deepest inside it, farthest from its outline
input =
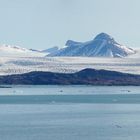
(84, 77)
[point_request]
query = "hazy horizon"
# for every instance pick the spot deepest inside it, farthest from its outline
(41, 24)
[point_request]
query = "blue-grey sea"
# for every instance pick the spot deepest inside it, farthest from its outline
(70, 113)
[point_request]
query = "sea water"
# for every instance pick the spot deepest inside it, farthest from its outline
(70, 113)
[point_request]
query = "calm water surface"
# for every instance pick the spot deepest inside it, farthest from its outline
(69, 113)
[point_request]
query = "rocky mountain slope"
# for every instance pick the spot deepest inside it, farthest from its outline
(103, 45)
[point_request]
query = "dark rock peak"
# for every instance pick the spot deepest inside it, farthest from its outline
(103, 36)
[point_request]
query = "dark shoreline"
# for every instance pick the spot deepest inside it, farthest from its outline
(5, 87)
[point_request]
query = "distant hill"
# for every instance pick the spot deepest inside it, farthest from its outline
(84, 77)
(103, 45)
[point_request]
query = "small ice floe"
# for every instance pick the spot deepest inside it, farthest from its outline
(14, 91)
(53, 102)
(18, 91)
(61, 91)
(125, 90)
(118, 126)
(114, 100)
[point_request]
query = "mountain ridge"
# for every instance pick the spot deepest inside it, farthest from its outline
(103, 45)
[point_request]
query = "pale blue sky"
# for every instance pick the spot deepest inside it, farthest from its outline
(41, 24)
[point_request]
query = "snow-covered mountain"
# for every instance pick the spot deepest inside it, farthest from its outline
(51, 50)
(103, 45)
(8, 50)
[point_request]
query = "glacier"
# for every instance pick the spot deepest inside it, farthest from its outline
(18, 64)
